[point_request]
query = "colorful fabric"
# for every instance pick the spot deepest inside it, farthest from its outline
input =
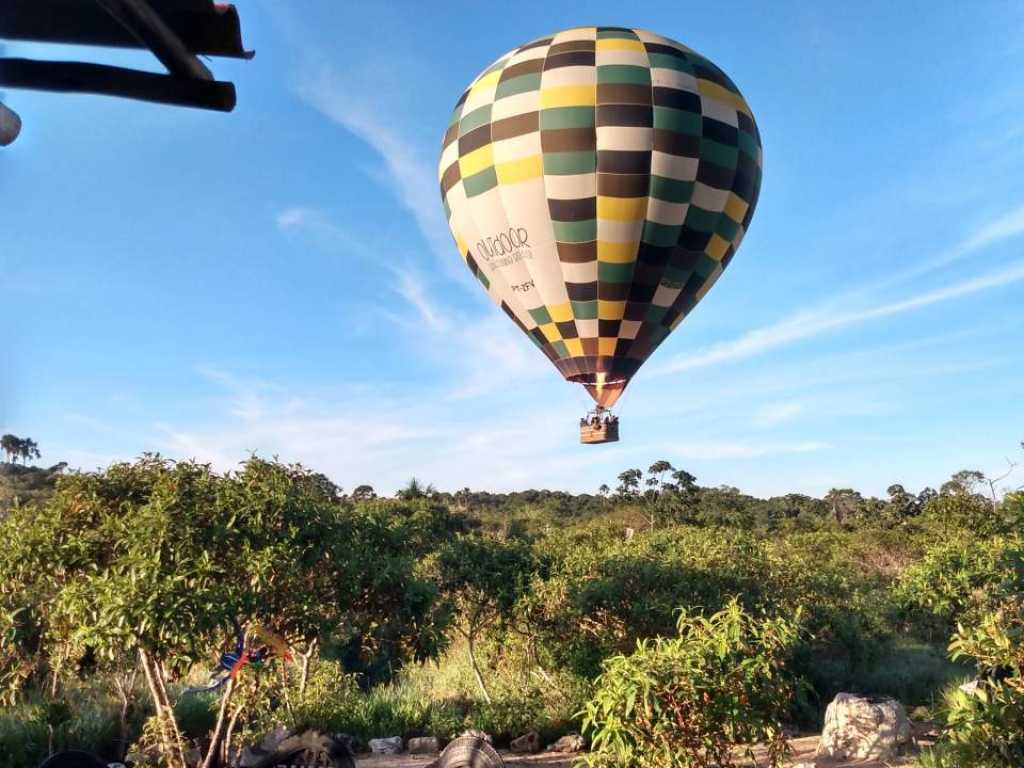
(597, 183)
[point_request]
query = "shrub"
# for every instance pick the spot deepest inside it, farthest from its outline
(960, 580)
(684, 702)
(985, 725)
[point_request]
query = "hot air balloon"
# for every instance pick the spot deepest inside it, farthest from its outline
(598, 182)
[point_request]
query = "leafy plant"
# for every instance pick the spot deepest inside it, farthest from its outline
(985, 721)
(960, 580)
(685, 702)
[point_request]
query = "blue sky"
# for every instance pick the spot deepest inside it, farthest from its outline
(280, 280)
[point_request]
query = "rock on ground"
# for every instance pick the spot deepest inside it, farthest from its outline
(423, 745)
(859, 728)
(526, 744)
(392, 745)
(571, 743)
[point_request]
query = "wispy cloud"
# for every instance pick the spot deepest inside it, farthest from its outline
(412, 288)
(712, 450)
(320, 228)
(1010, 224)
(378, 438)
(1006, 226)
(829, 318)
(410, 177)
(484, 352)
(777, 414)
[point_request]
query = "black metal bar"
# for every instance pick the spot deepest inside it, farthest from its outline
(81, 77)
(204, 27)
(139, 18)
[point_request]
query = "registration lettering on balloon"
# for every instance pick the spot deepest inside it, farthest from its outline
(523, 287)
(505, 248)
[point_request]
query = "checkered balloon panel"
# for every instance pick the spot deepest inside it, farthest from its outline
(597, 183)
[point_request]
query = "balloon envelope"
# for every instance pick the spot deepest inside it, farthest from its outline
(597, 183)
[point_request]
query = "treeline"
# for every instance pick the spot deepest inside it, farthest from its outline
(431, 612)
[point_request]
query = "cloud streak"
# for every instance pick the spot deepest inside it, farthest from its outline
(828, 319)
(411, 180)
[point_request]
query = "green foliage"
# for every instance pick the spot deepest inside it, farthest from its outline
(960, 579)
(334, 702)
(15, 448)
(684, 702)
(87, 719)
(985, 725)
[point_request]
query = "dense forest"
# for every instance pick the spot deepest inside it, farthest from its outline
(435, 611)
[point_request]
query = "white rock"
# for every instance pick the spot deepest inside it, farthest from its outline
(423, 745)
(570, 743)
(526, 744)
(859, 728)
(392, 745)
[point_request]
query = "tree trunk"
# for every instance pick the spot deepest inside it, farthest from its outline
(285, 693)
(214, 749)
(476, 667)
(165, 744)
(172, 721)
(225, 752)
(170, 737)
(125, 688)
(306, 658)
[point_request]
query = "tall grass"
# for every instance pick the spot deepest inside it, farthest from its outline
(29, 728)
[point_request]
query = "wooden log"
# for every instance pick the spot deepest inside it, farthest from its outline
(139, 18)
(10, 126)
(81, 77)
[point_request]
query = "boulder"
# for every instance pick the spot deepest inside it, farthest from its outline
(250, 756)
(392, 745)
(270, 741)
(570, 743)
(861, 728)
(423, 745)
(526, 744)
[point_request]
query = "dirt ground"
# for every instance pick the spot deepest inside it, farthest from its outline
(803, 752)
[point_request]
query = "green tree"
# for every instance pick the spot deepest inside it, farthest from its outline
(9, 444)
(482, 577)
(363, 493)
(28, 449)
(902, 505)
(959, 580)
(629, 484)
(686, 701)
(985, 721)
(155, 560)
(414, 489)
(844, 503)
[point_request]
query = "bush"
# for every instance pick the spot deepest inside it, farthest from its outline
(685, 702)
(985, 725)
(960, 580)
(85, 720)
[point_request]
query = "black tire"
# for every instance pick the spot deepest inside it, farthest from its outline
(469, 752)
(73, 758)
